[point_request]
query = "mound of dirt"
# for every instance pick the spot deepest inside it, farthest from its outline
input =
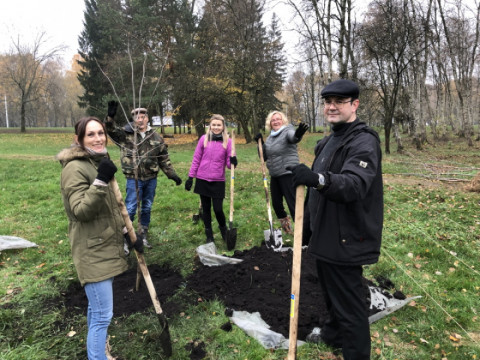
(260, 283)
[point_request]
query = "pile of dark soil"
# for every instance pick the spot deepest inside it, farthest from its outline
(261, 282)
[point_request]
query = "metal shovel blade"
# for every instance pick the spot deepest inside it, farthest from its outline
(198, 216)
(273, 240)
(231, 238)
(165, 340)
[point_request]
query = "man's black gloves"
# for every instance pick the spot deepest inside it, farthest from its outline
(112, 108)
(177, 180)
(301, 130)
(302, 175)
(258, 136)
(189, 183)
(138, 244)
(106, 170)
(233, 161)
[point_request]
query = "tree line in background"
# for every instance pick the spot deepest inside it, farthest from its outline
(417, 63)
(35, 89)
(176, 59)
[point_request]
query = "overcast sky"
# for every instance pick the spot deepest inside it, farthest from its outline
(61, 20)
(62, 23)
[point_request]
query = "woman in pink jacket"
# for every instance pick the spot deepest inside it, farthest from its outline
(211, 156)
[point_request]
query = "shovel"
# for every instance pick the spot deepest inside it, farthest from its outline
(273, 238)
(198, 216)
(231, 231)
(296, 268)
(165, 340)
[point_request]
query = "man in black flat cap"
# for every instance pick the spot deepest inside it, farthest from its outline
(344, 213)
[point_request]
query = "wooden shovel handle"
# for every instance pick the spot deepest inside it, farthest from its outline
(133, 238)
(296, 268)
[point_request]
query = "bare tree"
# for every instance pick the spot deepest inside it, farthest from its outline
(387, 37)
(26, 71)
(462, 46)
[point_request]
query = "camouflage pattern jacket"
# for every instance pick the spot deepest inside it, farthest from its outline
(152, 152)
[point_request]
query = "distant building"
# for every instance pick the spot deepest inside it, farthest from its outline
(158, 121)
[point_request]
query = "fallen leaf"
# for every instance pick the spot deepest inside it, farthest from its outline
(453, 338)
(423, 341)
(71, 333)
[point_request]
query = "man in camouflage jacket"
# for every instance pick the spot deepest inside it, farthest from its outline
(142, 151)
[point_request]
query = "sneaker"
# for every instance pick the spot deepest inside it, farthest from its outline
(314, 336)
(146, 244)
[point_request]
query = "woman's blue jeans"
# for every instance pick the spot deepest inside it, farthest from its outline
(99, 315)
(146, 194)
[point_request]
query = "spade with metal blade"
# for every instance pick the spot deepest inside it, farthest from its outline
(273, 237)
(198, 216)
(165, 340)
(231, 231)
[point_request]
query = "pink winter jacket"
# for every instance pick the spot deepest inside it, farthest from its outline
(209, 162)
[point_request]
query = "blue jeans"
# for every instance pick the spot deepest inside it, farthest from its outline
(146, 194)
(99, 315)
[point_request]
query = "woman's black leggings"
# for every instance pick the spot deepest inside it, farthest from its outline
(217, 209)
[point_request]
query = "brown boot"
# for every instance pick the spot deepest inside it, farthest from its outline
(286, 225)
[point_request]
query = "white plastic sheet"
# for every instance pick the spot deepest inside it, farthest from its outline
(256, 327)
(13, 242)
(209, 257)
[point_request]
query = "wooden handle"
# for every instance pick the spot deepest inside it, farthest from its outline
(133, 238)
(265, 186)
(296, 269)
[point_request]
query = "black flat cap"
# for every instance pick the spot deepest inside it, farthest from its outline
(341, 88)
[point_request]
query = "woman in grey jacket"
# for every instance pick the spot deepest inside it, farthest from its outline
(280, 151)
(96, 228)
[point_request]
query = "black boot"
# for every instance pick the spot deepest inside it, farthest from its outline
(223, 231)
(209, 234)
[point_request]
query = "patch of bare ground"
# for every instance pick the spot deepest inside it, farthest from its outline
(460, 185)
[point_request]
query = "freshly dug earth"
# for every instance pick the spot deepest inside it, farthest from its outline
(261, 282)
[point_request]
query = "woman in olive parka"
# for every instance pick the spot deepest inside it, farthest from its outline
(96, 227)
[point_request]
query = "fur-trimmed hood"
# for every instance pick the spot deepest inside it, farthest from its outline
(74, 152)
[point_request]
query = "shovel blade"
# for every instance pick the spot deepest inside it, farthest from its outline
(231, 238)
(273, 240)
(165, 340)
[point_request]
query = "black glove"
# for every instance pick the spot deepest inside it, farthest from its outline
(112, 108)
(106, 170)
(138, 244)
(233, 161)
(189, 183)
(177, 180)
(258, 136)
(301, 130)
(302, 175)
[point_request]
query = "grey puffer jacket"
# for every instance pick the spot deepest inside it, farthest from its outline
(96, 224)
(281, 151)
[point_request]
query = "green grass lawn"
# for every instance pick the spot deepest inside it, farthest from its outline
(431, 247)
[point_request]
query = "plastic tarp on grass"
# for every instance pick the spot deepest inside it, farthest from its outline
(13, 242)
